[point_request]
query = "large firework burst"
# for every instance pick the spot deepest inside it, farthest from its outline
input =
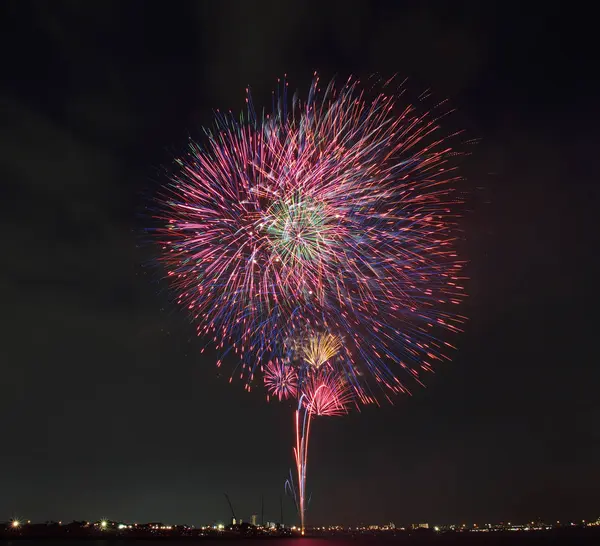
(319, 244)
(338, 215)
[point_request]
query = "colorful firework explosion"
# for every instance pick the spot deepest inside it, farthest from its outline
(338, 215)
(299, 229)
(320, 348)
(321, 240)
(326, 393)
(281, 380)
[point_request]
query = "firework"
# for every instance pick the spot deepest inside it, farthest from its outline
(280, 380)
(321, 348)
(324, 393)
(339, 215)
(322, 241)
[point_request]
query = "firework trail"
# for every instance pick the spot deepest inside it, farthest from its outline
(325, 393)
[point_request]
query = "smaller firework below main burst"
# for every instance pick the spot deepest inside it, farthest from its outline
(320, 348)
(326, 393)
(280, 379)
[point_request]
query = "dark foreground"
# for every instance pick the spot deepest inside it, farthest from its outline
(505, 540)
(575, 537)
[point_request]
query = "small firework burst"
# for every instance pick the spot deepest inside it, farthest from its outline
(321, 348)
(326, 393)
(280, 380)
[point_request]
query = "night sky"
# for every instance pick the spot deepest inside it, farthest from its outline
(107, 408)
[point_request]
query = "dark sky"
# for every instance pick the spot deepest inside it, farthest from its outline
(108, 409)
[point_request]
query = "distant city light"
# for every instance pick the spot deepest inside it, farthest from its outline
(270, 528)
